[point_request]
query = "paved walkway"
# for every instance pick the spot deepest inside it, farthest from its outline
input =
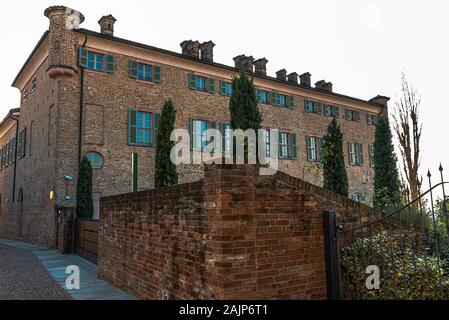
(31, 272)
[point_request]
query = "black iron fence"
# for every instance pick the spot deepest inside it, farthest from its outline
(403, 255)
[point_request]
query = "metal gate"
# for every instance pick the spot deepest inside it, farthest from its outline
(402, 256)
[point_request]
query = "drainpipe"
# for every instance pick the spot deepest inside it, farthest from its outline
(15, 160)
(81, 104)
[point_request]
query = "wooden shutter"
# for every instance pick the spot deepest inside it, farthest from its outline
(336, 112)
(135, 171)
(350, 153)
(133, 64)
(223, 88)
(82, 56)
(156, 74)
(192, 82)
(157, 118)
(293, 146)
(309, 143)
(318, 108)
(259, 95)
(348, 115)
(211, 86)
(274, 99)
(361, 155)
(191, 133)
(132, 123)
(110, 63)
(291, 102)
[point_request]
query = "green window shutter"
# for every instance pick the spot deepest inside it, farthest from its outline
(357, 116)
(223, 137)
(318, 108)
(223, 88)
(348, 115)
(110, 63)
(336, 112)
(157, 118)
(259, 95)
(309, 144)
(361, 155)
(350, 153)
(274, 99)
(211, 85)
(294, 147)
(132, 122)
(156, 74)
(291, 102)
(279, 144)
(135, 172)
(83, 57)
(133, 69)
(192, 82)
(191, 133)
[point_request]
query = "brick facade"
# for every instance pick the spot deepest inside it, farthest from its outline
(51, 116)
(235, 235)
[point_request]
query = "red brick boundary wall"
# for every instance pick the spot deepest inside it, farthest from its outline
(233, 235)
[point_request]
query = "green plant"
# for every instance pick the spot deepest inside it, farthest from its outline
(84, 202)
(334, 170)
(165, 173)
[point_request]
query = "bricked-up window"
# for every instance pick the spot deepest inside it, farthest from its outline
(352, 115)
(263, 96)
(355, 154)
(144, 72)
(357, 197)
(371, 155)
(287, 146)
(371, 119)
(96, 61)
(312, 106)
(331, 111)
(21, 144)
(314, 148)
(226, 88)
(95, 159)
(201, 84)
(143, 128)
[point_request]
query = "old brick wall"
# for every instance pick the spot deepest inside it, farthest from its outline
(233, 235)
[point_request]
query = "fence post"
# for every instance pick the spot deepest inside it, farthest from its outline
(333, 274)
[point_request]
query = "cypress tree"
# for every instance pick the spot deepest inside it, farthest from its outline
(84, 202)
(243, 106)
(165, 173)
(386, 177)
(334, 170)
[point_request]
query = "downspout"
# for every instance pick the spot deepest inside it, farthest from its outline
(15, 160)
(81, 103)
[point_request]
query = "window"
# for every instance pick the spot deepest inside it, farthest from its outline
(287, 146)
(12, 151)
(144, 72)
(263, 96)
(355, 154)
(371, 119)
(331, 111)
(25, 95)
(314, 148)
(312, 107)
(198, 137)
(267, 143)
(226, 133)
(96, 61)
(357, 197)
(226, 88)
(282, 100)
(34, 84)
(142, 128)
(95, 159)
(352, 115)
(371, 155)
(201, 84)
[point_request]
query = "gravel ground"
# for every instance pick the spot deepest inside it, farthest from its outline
(22, 277)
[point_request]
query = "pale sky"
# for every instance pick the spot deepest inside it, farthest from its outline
(360, 46)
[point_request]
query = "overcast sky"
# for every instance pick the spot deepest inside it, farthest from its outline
(360, 46)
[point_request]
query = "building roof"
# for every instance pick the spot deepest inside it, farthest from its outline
(182, 56)
(8, 116)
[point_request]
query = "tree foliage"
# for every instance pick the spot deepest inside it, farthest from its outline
(84, 202)
(165, 173)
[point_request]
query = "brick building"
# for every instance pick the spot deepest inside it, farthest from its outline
(87, 93)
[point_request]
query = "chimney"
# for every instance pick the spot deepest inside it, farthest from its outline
(293, 78)
(323, 85)
(305, 79)
(281, 74)
(191, 48)
(260, 66)
(207, 51)
(244, 63)
(107, 25)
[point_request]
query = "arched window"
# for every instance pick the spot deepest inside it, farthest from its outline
(96, 160)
